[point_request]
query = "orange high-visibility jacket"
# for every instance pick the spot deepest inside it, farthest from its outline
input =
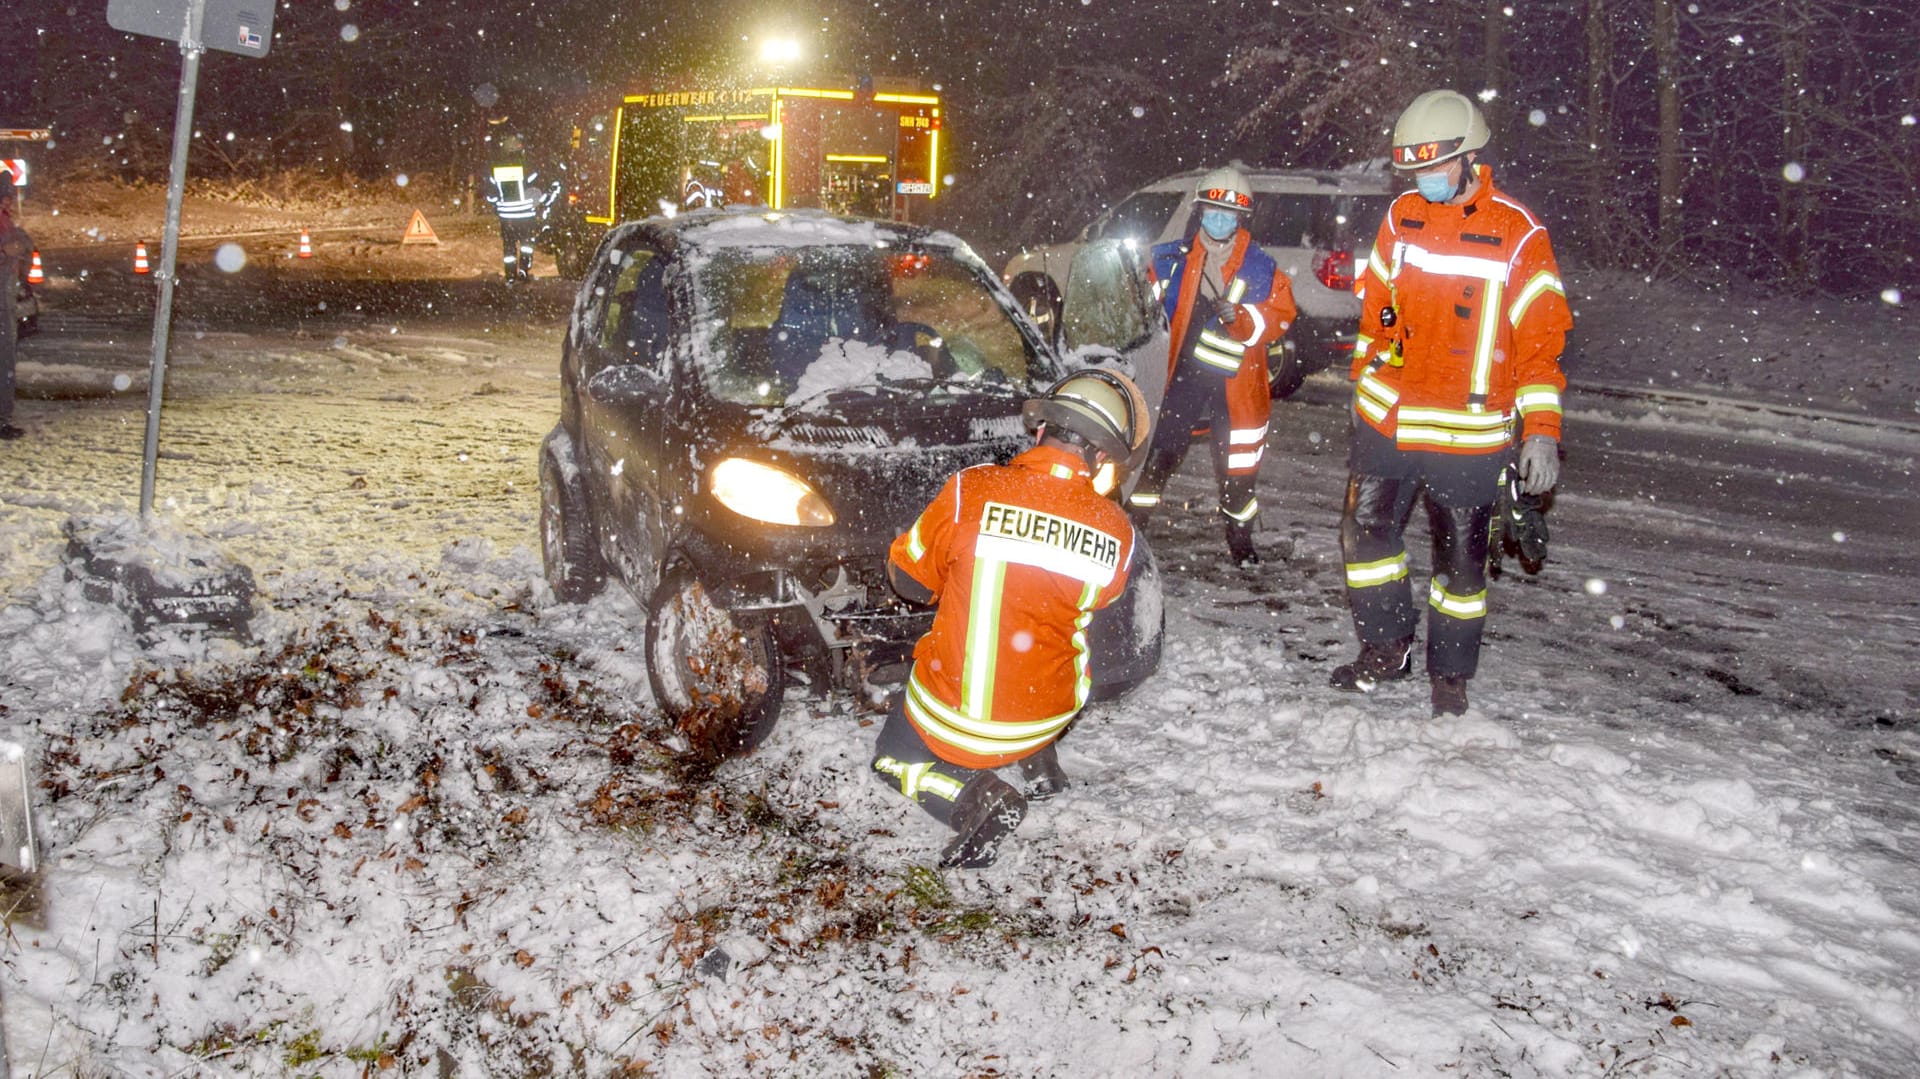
(1018, 557)
(1266, 312)
(1480, 319)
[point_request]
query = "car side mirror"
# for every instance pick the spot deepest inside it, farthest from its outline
(1040, 298)
(622, 382)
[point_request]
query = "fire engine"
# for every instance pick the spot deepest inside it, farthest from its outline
(868, 148)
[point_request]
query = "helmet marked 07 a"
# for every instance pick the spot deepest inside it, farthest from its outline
(1226, 186)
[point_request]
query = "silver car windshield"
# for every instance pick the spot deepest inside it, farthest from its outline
(793, 325)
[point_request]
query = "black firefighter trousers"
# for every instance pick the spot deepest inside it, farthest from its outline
(1382, 484)
(516, 246)
(1192, 398)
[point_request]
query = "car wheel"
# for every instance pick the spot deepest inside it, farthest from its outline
(1285, 372)
(567, 551)
(718, 679)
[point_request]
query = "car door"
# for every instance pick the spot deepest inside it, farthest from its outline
(626, 378)
(1109, 305)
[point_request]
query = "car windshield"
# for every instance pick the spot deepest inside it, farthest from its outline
(795, 325)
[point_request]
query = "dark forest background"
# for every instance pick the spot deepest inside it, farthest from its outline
(1770, 140)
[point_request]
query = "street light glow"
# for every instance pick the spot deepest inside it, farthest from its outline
(780, 50)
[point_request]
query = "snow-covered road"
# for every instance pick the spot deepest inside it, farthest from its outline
(426, 819)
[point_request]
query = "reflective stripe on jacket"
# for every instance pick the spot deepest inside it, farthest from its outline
(1264, 297)
(511, 186)
(1481, 320)
(1018, 557)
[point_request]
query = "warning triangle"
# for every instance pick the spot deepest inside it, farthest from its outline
(418, 231)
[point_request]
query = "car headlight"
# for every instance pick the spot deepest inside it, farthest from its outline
(765, 493)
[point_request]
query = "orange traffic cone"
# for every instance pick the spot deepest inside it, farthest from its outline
(36, 274)
(140, 258)
(306, 245)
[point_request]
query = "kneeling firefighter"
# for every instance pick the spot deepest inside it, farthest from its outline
(1017, 557)
(1226, 303)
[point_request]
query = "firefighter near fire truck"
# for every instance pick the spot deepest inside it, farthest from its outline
(521, 205)
(1226, 302)
(1016, 557)
(1463, 318)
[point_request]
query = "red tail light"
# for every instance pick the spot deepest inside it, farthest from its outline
(1335, 270)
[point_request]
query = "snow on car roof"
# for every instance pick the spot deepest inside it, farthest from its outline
(782, 228)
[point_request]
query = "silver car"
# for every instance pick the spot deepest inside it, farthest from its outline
(1314, 222)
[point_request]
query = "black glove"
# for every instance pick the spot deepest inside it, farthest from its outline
(1225, 311)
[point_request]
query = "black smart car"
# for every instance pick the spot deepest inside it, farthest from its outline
(753, 405)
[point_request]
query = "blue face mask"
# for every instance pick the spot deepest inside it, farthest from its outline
(1435, 186)
(1219, 224)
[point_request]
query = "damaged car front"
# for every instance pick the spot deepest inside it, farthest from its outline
(754, 406)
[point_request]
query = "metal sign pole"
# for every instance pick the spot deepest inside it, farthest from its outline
(190, 49)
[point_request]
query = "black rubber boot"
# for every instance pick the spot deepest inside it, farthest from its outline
(1377, 663)
(1449, 696)
(987, 811)
(1042, 774)
(1240, 544)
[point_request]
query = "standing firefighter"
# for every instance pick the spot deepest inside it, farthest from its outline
(1018, 557)
(519, 208)
(1462, 321)
(1226, 302)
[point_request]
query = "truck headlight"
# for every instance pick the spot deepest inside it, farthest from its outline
(765, 493)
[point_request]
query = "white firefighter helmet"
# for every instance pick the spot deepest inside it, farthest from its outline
(1437, 126)
(1225, 186)
(1103, 408)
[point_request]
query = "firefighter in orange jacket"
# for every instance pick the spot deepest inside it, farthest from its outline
(1017, 557)
(1226, 302)
(1462, 321)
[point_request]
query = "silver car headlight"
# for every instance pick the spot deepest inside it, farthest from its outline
(765, 493)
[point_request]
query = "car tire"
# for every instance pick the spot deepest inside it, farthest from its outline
(719, 679)
(1285, 372)
(568, 554)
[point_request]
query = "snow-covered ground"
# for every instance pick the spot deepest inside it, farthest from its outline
(428, 820)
